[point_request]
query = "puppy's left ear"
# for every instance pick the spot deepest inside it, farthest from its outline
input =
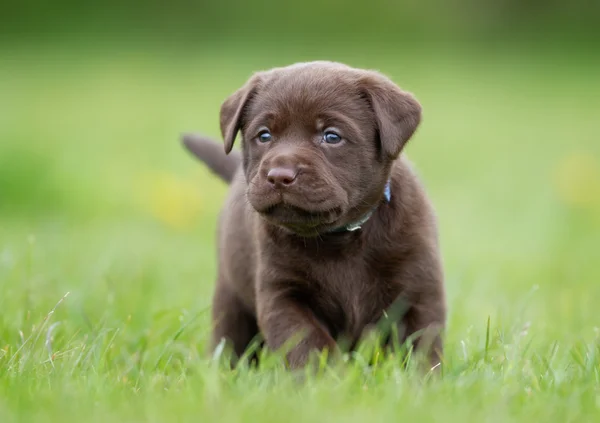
(232, 111)
(397, 112)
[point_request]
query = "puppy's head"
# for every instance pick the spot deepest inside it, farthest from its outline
(319, 139)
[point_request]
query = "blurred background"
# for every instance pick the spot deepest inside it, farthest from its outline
(97, 197)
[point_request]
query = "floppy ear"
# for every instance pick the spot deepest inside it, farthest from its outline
(397, 112)
(232, 111)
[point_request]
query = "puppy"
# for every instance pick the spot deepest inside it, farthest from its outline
(326, 229)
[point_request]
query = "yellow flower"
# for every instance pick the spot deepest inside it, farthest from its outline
(171, 199)
(578, 180)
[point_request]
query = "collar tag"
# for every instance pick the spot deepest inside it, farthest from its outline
(351, 227)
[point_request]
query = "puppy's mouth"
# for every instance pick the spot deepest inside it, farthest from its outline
(305, 213)
(300, 220)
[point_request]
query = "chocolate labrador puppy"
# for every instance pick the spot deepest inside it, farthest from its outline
(327, 230)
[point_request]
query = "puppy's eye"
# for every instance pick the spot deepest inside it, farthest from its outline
(331, 137)
(264, 136)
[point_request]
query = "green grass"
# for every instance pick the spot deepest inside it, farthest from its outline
(107, 254)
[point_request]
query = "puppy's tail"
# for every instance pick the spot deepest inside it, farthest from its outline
(213, 154)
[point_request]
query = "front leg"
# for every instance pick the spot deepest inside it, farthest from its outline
(283, 318)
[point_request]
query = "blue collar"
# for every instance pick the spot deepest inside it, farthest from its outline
(351, 227)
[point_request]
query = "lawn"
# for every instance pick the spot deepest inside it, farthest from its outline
(107, 257)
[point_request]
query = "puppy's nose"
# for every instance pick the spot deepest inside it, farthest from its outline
(281, 177)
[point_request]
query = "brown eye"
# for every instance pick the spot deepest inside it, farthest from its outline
(331, 137)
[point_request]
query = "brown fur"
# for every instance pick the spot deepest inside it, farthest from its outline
(282, 273)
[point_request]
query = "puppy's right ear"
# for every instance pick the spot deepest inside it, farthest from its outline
(398, 113)
(232, 111)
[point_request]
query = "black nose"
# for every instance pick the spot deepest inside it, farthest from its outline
(281, 177)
